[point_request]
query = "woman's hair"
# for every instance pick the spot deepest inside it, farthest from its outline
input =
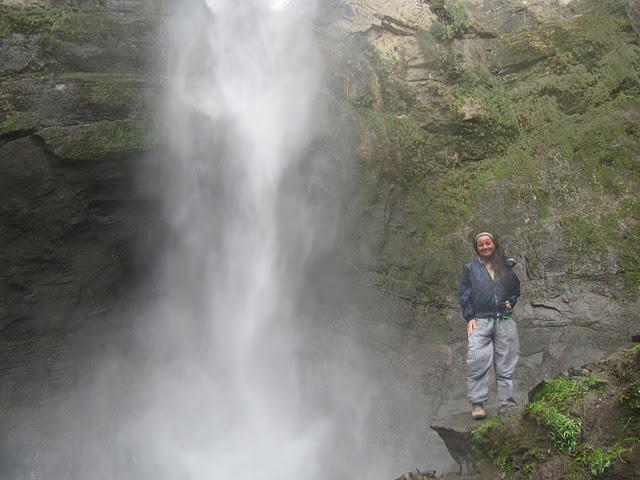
(498, 258)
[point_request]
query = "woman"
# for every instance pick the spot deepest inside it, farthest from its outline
(489, 289)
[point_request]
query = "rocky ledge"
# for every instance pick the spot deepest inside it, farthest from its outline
(586, 421)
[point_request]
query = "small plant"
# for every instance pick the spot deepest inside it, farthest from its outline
(480, 432)
(453, 19)
(531, 458)
(556, 391)
(597, 460)
(626, 372)
(562, 428)
(631, 353)
(436, 54)
(631, 397)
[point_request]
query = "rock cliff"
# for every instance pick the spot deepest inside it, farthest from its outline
(517, 117)
(74, 128)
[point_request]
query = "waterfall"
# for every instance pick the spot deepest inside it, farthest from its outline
(242, 78)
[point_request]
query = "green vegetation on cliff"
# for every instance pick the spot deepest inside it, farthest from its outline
(97, 140)
(80, 25)
(78, 78)
(540, 139)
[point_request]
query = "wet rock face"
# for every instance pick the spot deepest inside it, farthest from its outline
(73, 206)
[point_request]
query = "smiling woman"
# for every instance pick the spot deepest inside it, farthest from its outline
(489, 289)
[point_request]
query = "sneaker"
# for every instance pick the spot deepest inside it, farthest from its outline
(477, 411)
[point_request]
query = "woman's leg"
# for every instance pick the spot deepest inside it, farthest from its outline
(479, 360)
(506, 352)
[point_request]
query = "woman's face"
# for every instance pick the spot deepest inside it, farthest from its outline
(485, 246)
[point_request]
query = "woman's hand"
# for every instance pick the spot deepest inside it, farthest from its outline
(508, 304)
(471, 326)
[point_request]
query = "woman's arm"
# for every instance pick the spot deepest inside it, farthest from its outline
(465, 294)
(512, 288)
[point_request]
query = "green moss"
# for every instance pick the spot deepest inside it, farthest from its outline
(589, 58)
(438, 205)
(487, 116)
(120, 41)
(509, 444)
(25, 20)
(115, 96)
(108, 90)
(18, 121)
(9, 125)
(98, 140)
(86, 24)
(402, 152)
(581, 234)
(483, 437)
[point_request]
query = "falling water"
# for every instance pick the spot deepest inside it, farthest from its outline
(242, 80)
(239, 383)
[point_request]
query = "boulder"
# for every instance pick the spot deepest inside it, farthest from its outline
(455, 432)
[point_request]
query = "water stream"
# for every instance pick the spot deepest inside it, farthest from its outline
(243, 79)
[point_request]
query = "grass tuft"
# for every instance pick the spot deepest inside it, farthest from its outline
(556, 391)
(564, 429)
(597, 460)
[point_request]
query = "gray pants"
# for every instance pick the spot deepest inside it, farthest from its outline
(494, 341)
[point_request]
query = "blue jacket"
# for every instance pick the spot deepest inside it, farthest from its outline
(482, 297)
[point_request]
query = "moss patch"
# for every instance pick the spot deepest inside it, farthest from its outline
(81, 24)
(97, 140)
(18, 122)
(81, 38)
(509, 444)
